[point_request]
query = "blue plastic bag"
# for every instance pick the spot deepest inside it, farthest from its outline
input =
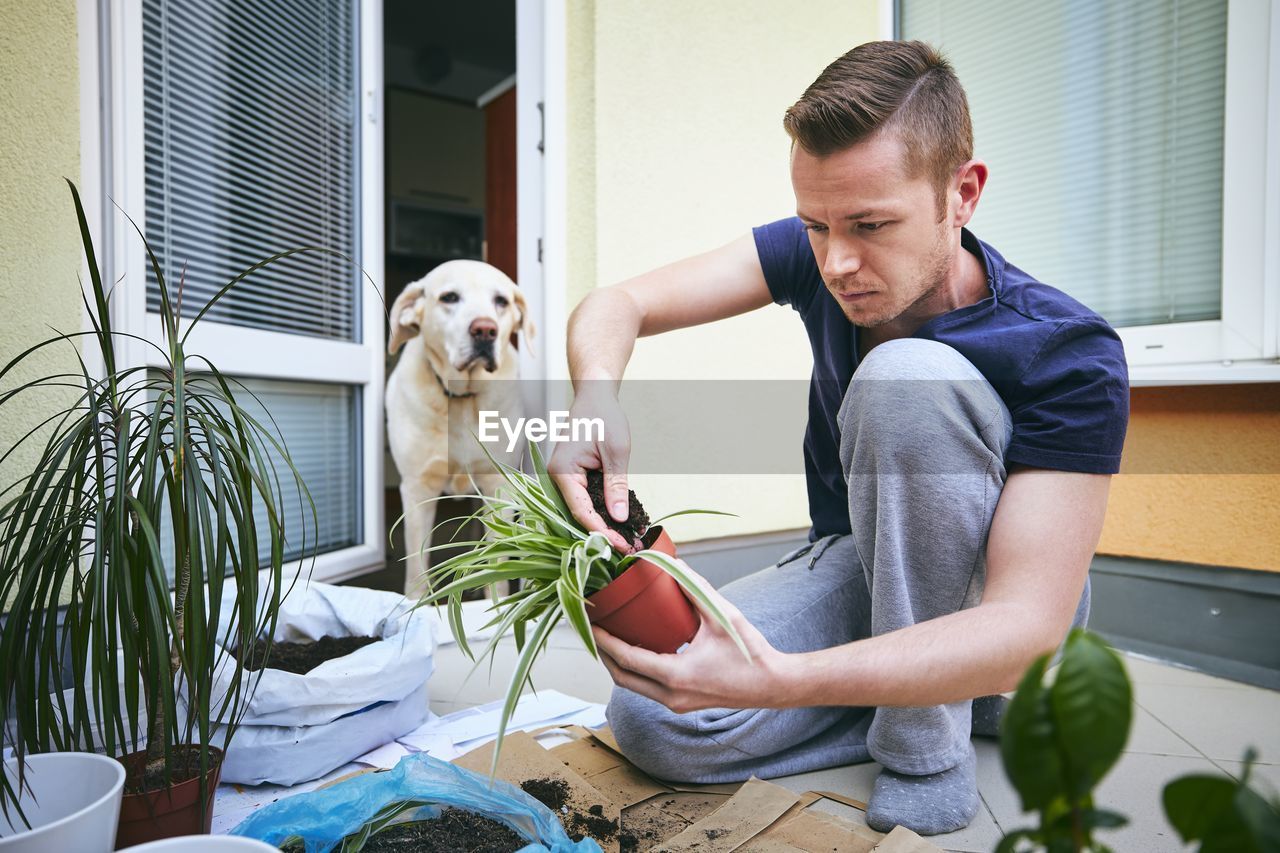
(321, 819)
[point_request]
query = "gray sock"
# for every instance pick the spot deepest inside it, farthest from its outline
(929, 805)
(988, 711)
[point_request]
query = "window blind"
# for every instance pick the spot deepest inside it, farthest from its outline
(318, 423)
(1102, 123)
(250, 127)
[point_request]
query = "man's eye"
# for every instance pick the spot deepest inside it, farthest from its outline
(872, 226)
(449, 296)
(816, 229)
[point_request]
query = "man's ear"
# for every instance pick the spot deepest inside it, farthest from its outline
(406, 318)
(524, 323)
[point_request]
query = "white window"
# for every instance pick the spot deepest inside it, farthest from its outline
(232, 131)
(1130, 165)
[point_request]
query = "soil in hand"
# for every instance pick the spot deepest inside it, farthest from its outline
(454, 831)
(637, 519)
(301, 658)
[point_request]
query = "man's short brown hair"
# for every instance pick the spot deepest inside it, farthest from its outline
(905, 87)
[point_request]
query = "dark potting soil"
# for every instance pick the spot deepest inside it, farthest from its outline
(301, 658)
(150, 777)
(454, 831)
(554, 794)
(637, 519)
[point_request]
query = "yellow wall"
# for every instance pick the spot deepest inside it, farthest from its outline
(39, 243)
(1201, 478)
(675, 128)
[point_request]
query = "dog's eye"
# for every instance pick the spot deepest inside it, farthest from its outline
(449, 296)
(500, 301)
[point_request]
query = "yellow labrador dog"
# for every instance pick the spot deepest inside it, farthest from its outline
(459, 326)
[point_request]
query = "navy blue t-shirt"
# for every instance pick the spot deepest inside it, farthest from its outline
(1058, 366)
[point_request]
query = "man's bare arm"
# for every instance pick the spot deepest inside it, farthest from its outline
(1042, 539)
(602, 334)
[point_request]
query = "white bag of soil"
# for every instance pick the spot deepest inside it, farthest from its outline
(298, 727)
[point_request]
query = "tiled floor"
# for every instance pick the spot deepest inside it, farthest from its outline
(1185, 722)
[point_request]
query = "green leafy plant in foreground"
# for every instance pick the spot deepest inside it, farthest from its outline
(1059, 739)
(534, 539)
(1224, 815)
(99, 650)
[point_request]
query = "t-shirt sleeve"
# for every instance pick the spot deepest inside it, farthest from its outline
(1076, 401)
(787, 260)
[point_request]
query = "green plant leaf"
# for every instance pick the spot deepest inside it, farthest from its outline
(1103, 819)
(1092, 707)
(1028, 748)
(549, 487)
(1261, 818)
(1193, 804)
(533, 647)
(575, 610)
(658, 521)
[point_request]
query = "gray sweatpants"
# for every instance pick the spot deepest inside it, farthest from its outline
(922, 443)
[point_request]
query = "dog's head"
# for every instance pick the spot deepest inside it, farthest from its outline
(468, 313)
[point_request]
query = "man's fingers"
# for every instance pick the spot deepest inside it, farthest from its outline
(616, 457)
(579, 503)
(635, 683)
(632, 658)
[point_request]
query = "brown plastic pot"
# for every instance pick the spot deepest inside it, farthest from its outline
(645, 606)
(166, 812)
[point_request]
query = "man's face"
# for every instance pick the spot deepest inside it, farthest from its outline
(875, 231)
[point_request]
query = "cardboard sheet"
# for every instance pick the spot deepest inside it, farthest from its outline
(752, 817)
(743, 816)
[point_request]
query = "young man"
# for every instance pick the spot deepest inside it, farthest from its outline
(964, 420)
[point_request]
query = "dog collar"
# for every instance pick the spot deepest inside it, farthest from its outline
(445, 388)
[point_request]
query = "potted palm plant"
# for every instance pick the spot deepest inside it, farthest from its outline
(155, 492)
(566, 573)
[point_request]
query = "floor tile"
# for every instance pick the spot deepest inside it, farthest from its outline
(1149, 735)
(1264, 777)
(1217, 721)
(1148, 671)
(1133, 788)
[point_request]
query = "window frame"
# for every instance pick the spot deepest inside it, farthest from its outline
(1244, 344)
(113, 158)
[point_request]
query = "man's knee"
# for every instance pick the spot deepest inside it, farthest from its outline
(913, 403)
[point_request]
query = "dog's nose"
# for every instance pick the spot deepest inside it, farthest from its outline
(483, 329)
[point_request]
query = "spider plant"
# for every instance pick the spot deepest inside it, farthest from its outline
(533, 538)
(111, 628)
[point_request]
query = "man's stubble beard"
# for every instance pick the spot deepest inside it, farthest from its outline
(934, 276)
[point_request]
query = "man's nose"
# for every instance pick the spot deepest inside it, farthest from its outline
(484, 330)
(842, 260)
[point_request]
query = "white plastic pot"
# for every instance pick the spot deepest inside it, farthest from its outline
(72, 801)
(204, 844)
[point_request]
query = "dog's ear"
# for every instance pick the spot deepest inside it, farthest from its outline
(405, 319)
(524, 323)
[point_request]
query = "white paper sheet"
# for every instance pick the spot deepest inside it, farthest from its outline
(450, 736)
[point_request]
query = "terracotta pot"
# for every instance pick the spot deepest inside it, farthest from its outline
(645, 606)
(167, 812)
